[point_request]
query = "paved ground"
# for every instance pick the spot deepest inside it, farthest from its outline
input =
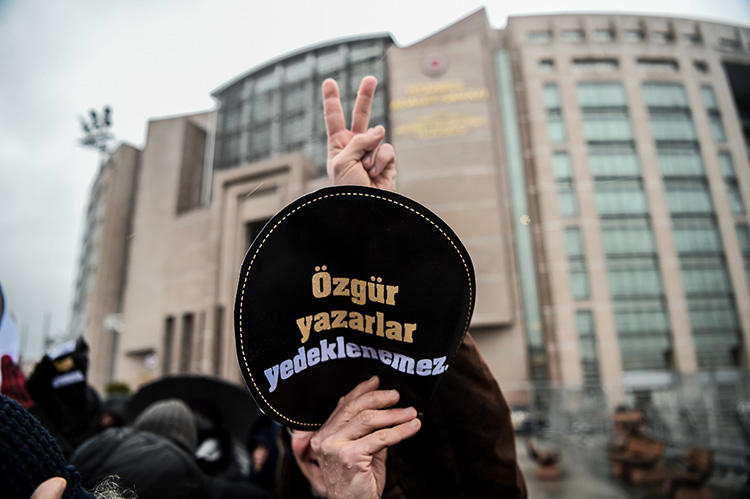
(586, 475)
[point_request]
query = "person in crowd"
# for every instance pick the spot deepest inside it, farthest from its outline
(264, 452)
(64, 402)
(14, 382)
(155, 457)
(463, 445)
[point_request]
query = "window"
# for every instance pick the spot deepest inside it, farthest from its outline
(595, 65)
(633, 276)
(661, 37)
(360, 70)
(546, 65)
(704, 275)
(168, 342)
(658, 65)
(633, 35)
(664, 95)
(601, 94)
(542, 36)
(293, 131)
(265, 82)
(607, 126)
(361, 51)
(297, 70)
(729, 43)
(186, 343)
(643, 333)
(218, 335)
(691, 38)
(579, 283)
(566, 192)
(743, 236)
(620, 197)
(232, 118)
(230, 150)
(296, 98)
(730, 181)
(587, 346)
(701, 66)
(262, 108)
(688, 195)
(696, 235)
(330, 61)
(680, 159)
(672, 125)
(617, 159)
(260, 143)
(716, 332)
(552, 105)
(714, 115)
(603, 35)
(627, 236)
(571, 35)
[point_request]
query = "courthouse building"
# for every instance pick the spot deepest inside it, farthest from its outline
(595, 167)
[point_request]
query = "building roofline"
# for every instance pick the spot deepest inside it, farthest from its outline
(181, 115)
(297, 52)
(650, 15)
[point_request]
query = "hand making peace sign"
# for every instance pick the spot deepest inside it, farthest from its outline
(357, 156)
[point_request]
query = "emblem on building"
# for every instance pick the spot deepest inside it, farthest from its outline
(434, 64)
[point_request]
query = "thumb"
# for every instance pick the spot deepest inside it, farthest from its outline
(361, 144)
(54, 488)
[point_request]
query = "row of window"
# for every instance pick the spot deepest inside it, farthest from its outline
(632, 264)
(630, 35)
(612, 64)
(272, 113)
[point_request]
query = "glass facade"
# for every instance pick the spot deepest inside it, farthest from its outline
(587, 347)
(274, 110)
(635, 285)
(695, 231)
(579, 280)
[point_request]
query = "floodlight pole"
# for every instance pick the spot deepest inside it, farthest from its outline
(96, 132)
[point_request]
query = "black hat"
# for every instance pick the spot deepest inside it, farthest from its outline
(29, 455)
(342, 284)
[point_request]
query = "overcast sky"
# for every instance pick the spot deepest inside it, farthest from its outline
(156, 58)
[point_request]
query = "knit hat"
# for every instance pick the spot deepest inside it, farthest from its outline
(29, 455)
(171, 419)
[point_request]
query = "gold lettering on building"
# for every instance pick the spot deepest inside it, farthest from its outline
(447, 92)
(441, 124)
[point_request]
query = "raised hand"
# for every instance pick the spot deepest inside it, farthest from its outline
(357, 156)
(346, 457)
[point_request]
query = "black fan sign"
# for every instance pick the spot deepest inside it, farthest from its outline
(342, 284)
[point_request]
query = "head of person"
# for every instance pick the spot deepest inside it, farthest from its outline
(171, 419)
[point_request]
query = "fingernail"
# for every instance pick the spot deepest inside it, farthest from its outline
(415, 423)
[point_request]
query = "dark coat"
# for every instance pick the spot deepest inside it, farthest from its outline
(148, 464)
(153, 467)
(465, 448)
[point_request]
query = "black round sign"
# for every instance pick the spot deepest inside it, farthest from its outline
(344, 283)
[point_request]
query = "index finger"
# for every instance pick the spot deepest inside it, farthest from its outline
(363, 104)
(334, 114)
